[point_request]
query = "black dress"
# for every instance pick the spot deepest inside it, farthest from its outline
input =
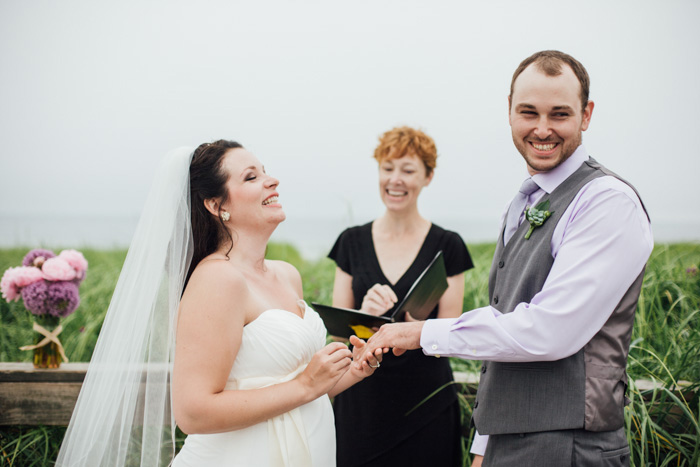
(372, 419)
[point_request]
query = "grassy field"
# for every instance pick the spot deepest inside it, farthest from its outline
(662, 421)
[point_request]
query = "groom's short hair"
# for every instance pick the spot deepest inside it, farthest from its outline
(550, 62)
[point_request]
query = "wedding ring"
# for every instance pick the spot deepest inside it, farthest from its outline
(370, 365)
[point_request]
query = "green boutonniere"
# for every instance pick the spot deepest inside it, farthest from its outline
(537, 216)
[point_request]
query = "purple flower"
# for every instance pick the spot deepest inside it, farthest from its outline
(36, 254)
(63, 298)
(34, 296)
(691, 271)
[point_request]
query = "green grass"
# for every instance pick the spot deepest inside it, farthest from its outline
(662, 422)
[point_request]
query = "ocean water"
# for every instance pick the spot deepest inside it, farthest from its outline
(313, 237)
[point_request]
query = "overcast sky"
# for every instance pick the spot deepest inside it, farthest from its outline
(93, 94)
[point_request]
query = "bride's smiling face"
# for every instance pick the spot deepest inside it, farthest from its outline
(252, 194)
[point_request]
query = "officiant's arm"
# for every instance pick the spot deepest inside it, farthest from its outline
(342, 290)
(452, 301)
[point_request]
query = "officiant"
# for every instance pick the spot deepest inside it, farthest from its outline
(379, 423)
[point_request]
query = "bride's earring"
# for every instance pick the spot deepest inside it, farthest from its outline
(225, 216)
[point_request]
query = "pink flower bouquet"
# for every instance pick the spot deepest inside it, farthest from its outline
(48, 286)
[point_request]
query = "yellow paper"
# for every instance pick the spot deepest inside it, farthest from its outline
(363, 332)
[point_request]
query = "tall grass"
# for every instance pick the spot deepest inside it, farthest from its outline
(661, 420)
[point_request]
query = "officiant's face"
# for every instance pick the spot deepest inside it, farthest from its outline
(546, 117)
(253, 196)
(401, 180)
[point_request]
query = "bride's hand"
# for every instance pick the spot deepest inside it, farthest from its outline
(362, 365)
(325, 368)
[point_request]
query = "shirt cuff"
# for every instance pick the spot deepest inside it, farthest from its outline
(479, 444)
(435, 336)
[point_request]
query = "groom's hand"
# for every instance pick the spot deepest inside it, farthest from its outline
(399, 336)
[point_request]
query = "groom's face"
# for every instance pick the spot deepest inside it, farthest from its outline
(546, 117)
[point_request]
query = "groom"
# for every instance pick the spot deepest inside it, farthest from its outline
(563, 289)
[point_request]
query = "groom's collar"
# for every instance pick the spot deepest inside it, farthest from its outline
(548, 181)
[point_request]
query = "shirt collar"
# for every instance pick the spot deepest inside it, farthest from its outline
(548, 181)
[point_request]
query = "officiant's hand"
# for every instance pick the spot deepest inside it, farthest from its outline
(326, 367)
(361, 367)
(378, 300)
(398, 336)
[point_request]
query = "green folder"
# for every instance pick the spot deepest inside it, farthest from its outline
(420, 300)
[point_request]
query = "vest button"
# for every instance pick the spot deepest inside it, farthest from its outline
(501, 264)
(495, 299)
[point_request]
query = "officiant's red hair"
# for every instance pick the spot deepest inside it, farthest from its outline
(403, 140)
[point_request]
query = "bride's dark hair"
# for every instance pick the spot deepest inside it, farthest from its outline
(208, 180)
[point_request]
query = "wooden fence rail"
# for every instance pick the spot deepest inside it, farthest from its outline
(30, 396)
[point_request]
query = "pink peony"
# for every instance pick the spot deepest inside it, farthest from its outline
(58, 269)
(8, 285)
(77, 262)
(15, 278)
(25, 275)
(75, 259)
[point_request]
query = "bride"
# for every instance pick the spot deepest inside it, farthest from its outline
(251, 374)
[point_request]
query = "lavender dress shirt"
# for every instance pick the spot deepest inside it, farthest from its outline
(600, 246)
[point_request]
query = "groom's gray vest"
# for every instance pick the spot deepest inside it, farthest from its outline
(585, 390)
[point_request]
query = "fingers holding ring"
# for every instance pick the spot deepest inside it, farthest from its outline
(373, 366)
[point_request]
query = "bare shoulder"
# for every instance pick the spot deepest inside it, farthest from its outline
(283, 266)
(214, 283)
(217, 273)
(288, 272)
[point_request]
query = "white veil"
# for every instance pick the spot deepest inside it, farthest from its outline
(123, 416)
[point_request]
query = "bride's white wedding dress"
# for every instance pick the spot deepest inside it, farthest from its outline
(275, 348)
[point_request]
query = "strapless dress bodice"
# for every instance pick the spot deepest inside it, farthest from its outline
(275, 347)
(276, 344)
